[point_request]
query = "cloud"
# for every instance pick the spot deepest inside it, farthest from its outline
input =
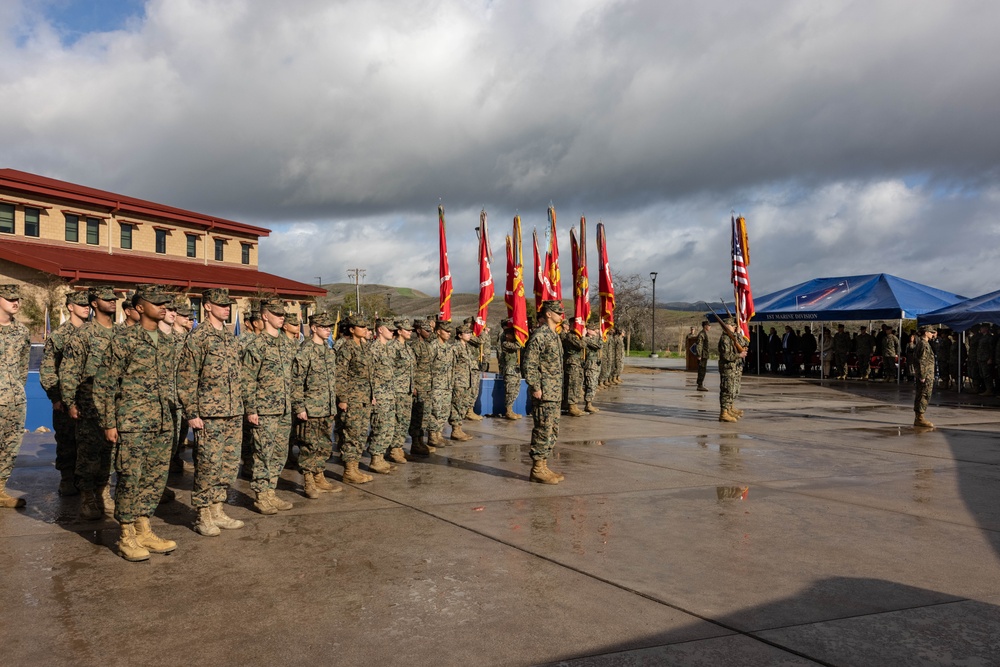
(855, 136)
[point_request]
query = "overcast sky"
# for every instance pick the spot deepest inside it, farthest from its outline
(856, 137)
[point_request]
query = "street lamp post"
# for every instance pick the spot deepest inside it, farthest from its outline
(652, 349)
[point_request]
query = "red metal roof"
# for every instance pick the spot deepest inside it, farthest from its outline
(50, 187)
(86, 266)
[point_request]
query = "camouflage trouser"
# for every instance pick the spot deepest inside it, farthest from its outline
(922, 396)
(93, 455)
(574, 384)
(591, 378)
(440, 409)
(357, 420)
(404, 409)
(605, 368)
(864, 364)
(986, 376)
(460, 405)
(315, 444)
(217, 460)
(181, 429)
(511, 389)
(889, 367)
(246, 443)
(270, 450)
(65, 433)
(546, 428)
(11, 432)
(840, 361)
(383, 423)
(702, 371)
(142, 461)
(729, 386)
(419, 416)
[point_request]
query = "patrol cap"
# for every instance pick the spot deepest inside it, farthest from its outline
(273, 306)
(463, 328)
(507, 323)
(387, 323)
(444, 325)
(359, 321)
(552, 307)
(217, 295)
(81, 298)
(423, 325)
(154, 294)
(129, 301)
(183, 308)
(291, 318)
(11, 292)
(469, 320)
(323, 319)
(253, 315)
(104, 293)
(403, 325)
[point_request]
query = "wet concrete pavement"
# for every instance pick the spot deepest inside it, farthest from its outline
(821, 529)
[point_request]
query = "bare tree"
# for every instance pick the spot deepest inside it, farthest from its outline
(632, 307)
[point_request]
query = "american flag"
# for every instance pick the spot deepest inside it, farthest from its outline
(741, 276)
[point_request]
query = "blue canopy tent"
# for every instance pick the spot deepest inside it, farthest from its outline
(876, 296)
(964, 315)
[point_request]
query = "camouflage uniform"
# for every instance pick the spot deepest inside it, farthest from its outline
(730, 370)
(134, 391)
(510, 367)
(591, 367)
(572, 367)
(48, 375)
(422, 399)
(841, 348)
(607, 359)
(702, 351)
(442, 368)
(618, 356)
(543, 369)
(462, 398)
(209, 387)
(405, 363)
(354, 387)
(314, 391)
(383, 368)
(15, 351)
(267, 380)
(923, 367)
(863, 347)
(82, 357)
(890, 353)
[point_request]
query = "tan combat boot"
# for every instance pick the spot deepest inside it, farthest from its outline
(105, 501)
(206, 524)
(511, 415)
(128, 547)
(7, 500)
(471, 415)
(323, 484)
(67, 485)
(263, 503)
(575, 411)
(378, 464)
(223, 520)
(354, 476)
(726, 416)
(591, 408)
(309, 486)
(89, 508)
(396, 455)
(540, 473)
(458, 434)
(153, 543)
(922, 421)
(278, 503)
(558, 475)
(736, 413)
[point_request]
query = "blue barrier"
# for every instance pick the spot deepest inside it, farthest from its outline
(492, 396)
(39, 405)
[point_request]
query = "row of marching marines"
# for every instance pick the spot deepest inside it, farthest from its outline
(126, 396)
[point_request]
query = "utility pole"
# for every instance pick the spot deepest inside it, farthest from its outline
(358, 275)
(319, 281)
(652, 349)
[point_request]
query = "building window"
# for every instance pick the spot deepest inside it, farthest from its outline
(246, 253)
(192, 243)
(93, 231)
(161, 241)
(196, 308)
(7, 218)
(220, 249)
(31, 224)
(72, 228)
(126, 237)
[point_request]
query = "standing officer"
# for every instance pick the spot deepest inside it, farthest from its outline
(354, 397)
(591, 365)
(182, 327)
(543, 369)
(405, 362)
(923, 367)
(267, 403)
(573, 372)
(703, 352)
(383, 397)
(422, 399)
(442, 365)
(464, 369)
(510, 368)
(134, 392)
(314, 402)
(209, 387)
(78, 305)
(15, 351)
(730, 370)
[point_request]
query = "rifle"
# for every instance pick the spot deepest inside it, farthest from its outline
(728, 330)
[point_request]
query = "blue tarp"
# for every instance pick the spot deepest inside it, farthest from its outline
(966, 314)
(877, 296)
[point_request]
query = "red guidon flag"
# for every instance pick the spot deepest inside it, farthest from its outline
(517, 308)
(485, 277)
(581, 281)
(743, 295)
(552, 260)
(605, 286)
(444, 307)
(541, 279)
